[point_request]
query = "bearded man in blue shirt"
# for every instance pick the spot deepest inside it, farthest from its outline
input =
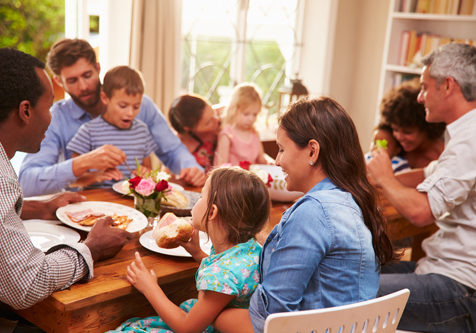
(73, 62)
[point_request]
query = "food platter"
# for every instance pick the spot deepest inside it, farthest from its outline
(45, 234)
(139, 221)
(122, 187)
(277, 190)
(147, 241)
(192, 198)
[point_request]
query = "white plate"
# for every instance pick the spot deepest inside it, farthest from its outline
(277, 191)
(45, 234)
(149, 243)
(122, 188)
(139, 221)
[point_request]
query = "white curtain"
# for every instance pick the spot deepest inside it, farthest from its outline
(156, 47)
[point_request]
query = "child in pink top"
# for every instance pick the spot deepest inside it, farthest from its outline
(238, 140)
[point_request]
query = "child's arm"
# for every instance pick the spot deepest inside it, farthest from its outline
(222, 153)
(261, 156)
(202, 314)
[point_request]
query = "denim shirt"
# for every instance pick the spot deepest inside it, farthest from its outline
(51, 169)
(319, 255)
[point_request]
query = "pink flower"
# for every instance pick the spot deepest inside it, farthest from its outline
(145, 187)
(162, 185)
(226, 289)
(255, 276)
(245, 272)
(134, 182)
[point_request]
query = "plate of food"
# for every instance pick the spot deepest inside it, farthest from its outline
(122, 187)
(83, 215)
(147, 240)
(179, 202)
(277, 189)
(45, 234)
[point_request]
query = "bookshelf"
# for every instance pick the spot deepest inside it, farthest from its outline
(415, 22)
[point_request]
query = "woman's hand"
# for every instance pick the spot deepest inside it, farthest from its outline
(139, 276)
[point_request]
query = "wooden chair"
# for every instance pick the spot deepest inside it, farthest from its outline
(380, 314)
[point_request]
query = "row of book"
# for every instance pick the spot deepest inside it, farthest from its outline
(416, 45)
(444, 7)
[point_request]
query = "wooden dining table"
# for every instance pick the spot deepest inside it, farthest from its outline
(107, 300)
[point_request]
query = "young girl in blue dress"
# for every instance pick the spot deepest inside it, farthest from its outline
(233, 207)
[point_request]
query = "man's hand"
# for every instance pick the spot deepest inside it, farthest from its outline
(46, 209)
(379, 168)
(104, 241)
(193, 176)
(102, 158)
(89, 178)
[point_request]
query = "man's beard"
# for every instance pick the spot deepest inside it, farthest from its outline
(93, 102)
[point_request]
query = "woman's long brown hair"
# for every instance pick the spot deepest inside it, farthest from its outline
(341, 158)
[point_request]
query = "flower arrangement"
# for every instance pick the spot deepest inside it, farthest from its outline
(149, 189)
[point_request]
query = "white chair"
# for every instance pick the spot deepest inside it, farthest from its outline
(380, 314)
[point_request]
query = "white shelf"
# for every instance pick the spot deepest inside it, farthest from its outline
(403, 69)
(432, 17)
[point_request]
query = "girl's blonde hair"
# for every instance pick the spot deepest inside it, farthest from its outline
(243, 95)
(242, 200)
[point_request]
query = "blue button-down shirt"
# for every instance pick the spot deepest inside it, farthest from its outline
(320, 255)
(51, 169)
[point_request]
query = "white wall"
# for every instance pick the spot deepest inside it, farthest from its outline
(114, 28)
(357, 59)
(352, 33)
(318, 43)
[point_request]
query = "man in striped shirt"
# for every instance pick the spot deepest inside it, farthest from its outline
(27, 275)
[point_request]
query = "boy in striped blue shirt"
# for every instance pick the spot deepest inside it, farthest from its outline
(121, 93)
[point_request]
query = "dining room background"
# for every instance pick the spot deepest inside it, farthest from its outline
(334, 47)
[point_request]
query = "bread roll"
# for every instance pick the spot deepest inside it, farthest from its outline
(171, 230)
(176, 199)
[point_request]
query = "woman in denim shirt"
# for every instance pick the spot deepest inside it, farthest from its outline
(328, 247)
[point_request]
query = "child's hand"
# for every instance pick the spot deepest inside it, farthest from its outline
(193, 246)
(141, 172)
(139, 276)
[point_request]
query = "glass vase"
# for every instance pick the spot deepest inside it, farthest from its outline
(150, 207)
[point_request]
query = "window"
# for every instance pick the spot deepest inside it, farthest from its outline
(228, 42)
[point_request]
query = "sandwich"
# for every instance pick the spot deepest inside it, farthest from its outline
(171, 230)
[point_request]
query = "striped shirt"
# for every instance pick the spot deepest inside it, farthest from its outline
(136, 142)
(27, 275)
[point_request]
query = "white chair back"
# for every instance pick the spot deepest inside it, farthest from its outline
(380, 314)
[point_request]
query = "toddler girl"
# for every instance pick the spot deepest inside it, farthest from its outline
(239, 141)
(233, 207)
